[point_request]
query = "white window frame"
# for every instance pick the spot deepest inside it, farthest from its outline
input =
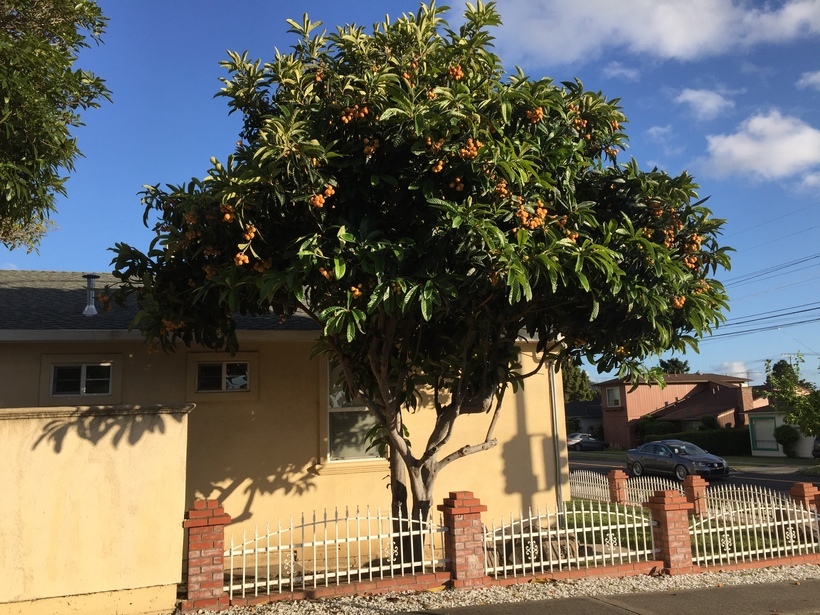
(83, 383)
(195, 359)
(48, 364)
(337, 404)
(613, 401)
(223, 380)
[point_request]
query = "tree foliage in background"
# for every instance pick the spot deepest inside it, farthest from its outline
(425, 208)
(674, 366)
(790, 394)
(577, 386)
(41, 96)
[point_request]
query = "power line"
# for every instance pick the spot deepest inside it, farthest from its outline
(754, 275)
(760, 329)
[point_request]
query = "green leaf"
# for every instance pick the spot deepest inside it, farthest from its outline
(339, 268)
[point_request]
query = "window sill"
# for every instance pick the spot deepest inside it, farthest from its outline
(358, 466)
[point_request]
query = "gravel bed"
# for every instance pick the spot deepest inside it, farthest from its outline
(429, 600)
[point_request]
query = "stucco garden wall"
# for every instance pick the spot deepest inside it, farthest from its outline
(91, 508)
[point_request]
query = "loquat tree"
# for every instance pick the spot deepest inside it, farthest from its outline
(41, 97)
(427, 209)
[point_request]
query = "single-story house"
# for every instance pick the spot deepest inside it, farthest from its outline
(113, 441)
(763, 420)
(684, 400)
(587, 414)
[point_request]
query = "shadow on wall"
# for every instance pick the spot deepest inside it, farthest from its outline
(249, 452)
(122, 423)
(520, 458)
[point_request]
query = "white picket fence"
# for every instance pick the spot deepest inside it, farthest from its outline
(746, 523)
(582, 535)
(331, 549)
(590, 485)
(640, 488)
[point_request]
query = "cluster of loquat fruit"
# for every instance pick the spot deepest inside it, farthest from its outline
(228, 212)
(370, 147)
(470, 150)
(354, 112)
(535, 115)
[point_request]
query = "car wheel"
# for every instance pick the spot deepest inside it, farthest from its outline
(637, 468)
(576, 447)
(681, 472)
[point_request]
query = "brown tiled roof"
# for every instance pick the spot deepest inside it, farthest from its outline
(685, 379)
(54, 301)
(700, 403)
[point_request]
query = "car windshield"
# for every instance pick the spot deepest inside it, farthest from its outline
(687, 449)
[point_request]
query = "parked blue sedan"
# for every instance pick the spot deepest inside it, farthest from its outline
(675, 457)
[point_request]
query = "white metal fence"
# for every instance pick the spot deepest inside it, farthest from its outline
(590, 485)
(746, 523)
(640, 488)
(581, 535)
(330, 550)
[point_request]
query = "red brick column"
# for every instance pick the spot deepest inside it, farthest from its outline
(671, 511)
(464, 542)
(694, 488)
(806, 494)
(617, 486)
(205, 523)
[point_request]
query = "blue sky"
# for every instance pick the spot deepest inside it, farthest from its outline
(727, 90)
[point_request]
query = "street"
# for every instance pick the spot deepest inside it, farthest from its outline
(771, 479)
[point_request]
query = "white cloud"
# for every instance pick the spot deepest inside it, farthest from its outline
(769, 146)
(705, 104)
(659, 133)
(809, 80)
(616, 70)
(665, 136)
(559, 32)
(734, 368)
(9, 267)
(811, 181)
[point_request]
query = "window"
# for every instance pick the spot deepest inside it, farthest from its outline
(348, 425)
(613, 397)
(81, 379)
(222, 376)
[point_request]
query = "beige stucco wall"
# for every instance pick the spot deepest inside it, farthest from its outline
(92, 501)
(263, 453)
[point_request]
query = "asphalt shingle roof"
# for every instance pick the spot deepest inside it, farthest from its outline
(54, 300)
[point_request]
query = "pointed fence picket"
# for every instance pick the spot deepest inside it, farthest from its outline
(331, 549)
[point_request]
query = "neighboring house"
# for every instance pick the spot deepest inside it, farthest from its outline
(763, 420)
(684, 400)
(266, 433)
(588, 415)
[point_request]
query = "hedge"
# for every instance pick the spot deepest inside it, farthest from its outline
(718, 441)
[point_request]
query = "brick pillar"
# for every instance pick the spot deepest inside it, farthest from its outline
(617, 486)
(671, 512)
(694, 488)
(464, 542)
(205, 523)
(806, 494)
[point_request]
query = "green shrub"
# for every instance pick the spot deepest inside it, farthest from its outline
(708, 422)
(721, 442)
(658, 428)
(787, 437)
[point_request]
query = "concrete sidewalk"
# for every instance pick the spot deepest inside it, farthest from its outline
(763, 599)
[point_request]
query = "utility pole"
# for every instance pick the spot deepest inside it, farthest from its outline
(790, 355)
